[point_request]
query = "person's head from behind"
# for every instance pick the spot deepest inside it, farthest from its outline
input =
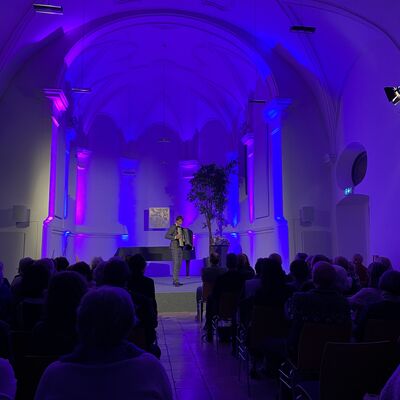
(105, 317)
(243, 261)
(259, 266)
(272, 274)
(95, 262)
(98, 274)
(342, 282)
(358, 259)
(35, 279)
(214, 259)
(385, 261)
(1, 271)
(137, 265)
(231, 261)
(389, 283)
(324, 275)
(24, 264)
(65, 292)
(342, 262)
(376, 270)
(319, 257)
(301, 256)
(299, 270)
(179, 220)
(277, 257)
(61, 264)
(116, 272)
(83, 269)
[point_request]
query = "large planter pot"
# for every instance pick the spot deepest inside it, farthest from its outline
(222, 250)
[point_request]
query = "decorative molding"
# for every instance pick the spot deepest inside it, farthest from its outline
(248, 139)
(58, 99)
(275, 107)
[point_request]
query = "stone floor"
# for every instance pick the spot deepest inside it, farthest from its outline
(197, 371)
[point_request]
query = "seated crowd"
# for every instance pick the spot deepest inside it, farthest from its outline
(318, 290)
(95, 320)
(84, 322)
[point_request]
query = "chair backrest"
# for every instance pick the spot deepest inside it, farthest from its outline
(207, 289)
(350, 370)
(228, 304)
(313, 339)
(378, 330)
(266, 322)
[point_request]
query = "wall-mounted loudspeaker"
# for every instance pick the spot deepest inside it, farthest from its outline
(21, 216)
(306, 216)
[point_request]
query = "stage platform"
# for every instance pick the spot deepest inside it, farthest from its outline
(176, 299)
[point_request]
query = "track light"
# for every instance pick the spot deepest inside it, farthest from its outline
(48, 9)
(81, 90)
(393, 94)
(303, 29)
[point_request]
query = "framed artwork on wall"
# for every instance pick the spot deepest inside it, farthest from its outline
(159, 217)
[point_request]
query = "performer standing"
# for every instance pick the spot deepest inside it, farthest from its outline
(175, 234)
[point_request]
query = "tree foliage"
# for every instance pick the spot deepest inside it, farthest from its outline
(209, 192)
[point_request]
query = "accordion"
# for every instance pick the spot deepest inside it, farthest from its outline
(186, 239)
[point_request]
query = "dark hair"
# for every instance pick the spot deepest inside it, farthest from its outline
(324, 275)
(376, 270)
(231, 261)
(342, 262)
(299, 270)
(136, 264)
(301, 256)
(82, 268)
(61, 264)
(105, 317)
(259, 265)
(179, 217)
(319, 257)
(277, 257)
(214, 258)
(243, 261)
(116, 272)
(24, 264)
(390, 282)
(66, 290)
(272, 275)
(35, 279)
(98, 273)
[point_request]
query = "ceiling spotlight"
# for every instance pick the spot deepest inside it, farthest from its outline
(303, 29)
(81, 90)
(48, 9)
(393, 94)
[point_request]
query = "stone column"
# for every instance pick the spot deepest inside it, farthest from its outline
(248, 141)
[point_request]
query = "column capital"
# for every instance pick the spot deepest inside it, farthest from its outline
(275, 107)
(128, 166)
(188, 168)
(82, 156)
(248, 139)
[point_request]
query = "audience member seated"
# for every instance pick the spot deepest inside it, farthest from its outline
(317, 258)
(55, 334)
(388, 308)
(244, 267)
(16, 284)
(360, 269)
(301, 256)
(342, 282)
(83, 269)
(138, 283)
(116, 273)
(385, 261)
(276, 257)
(34, 284)
(300, 274)
(370, 294)
(95, 262)
(105, 318)
(61, 264)
(98, 274)
(5, 351)
(8, 383)
(5, 295)
(354, 280)
(320, 305)
(210, 274)
(252, 285)
(231, 281)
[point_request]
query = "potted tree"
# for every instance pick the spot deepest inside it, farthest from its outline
(209, 194)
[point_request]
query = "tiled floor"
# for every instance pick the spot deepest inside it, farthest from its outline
(197, 371)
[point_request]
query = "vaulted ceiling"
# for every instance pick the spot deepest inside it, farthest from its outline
(182, 63)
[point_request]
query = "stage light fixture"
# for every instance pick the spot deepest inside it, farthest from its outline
(303, 29)
(393, 94)
(48, 9)
(81, 90)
